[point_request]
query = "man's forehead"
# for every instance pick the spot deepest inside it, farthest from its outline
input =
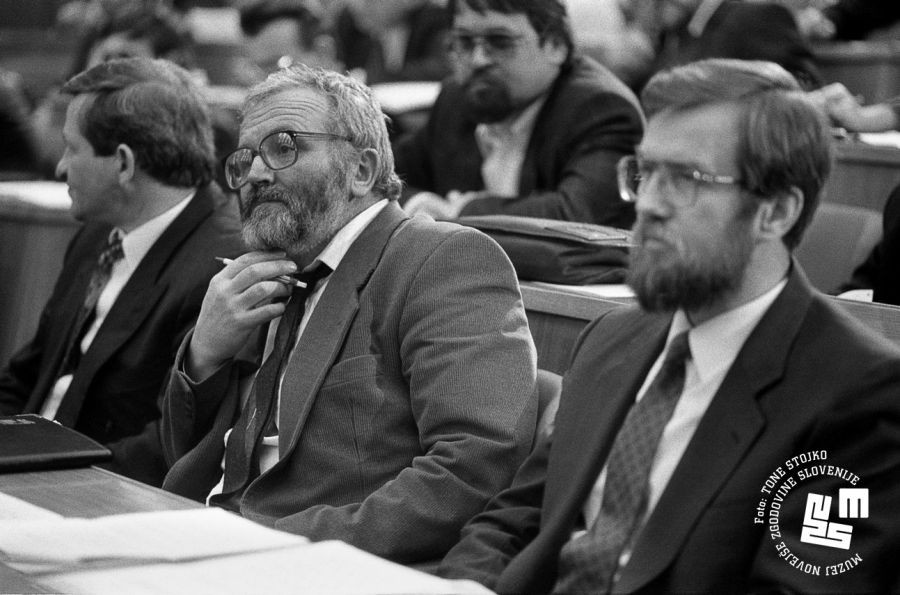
(75, 111)
(292, 109)
(466, 18)
(707, 132)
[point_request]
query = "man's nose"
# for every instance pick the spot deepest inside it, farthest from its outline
(61, 168)
(259, 171)
(651, 196)
(480, 56)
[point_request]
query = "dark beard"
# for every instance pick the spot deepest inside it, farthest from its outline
(486, 99)
(301, 219)
(664, 283)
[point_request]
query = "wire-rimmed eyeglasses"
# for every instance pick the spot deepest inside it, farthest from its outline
(278, 150)
(678, 182)
(497, 45)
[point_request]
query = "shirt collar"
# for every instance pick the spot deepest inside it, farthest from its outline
(137, 242)
(339, 245)
(716, 342)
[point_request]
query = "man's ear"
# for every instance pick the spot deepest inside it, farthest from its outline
(557, 50)
(364, 177)
(127, 165)
(778, 215)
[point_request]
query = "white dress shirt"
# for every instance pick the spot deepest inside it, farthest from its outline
(332, 255)
(135, 246)
(714, 345)
(502, 146)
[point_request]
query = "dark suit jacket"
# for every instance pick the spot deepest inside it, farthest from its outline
(113, 395)
(745, 31)
(881, 270)
(408, 403)
(808, 378)
(425, 57)
(589, 121)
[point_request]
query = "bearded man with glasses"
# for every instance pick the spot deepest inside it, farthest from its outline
(526, 126)
(394, 392)
(680, 456)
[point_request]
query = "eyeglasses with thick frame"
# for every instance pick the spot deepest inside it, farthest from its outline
(495, 45)
(679, 182)
(278, 151)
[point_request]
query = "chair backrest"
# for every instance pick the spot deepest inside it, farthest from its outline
(839, 239)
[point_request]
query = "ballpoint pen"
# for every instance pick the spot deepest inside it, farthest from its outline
(286, 279)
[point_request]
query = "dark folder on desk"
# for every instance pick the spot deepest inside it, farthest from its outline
(555, 251)
(30, 442)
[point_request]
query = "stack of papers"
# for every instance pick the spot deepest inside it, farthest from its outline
(199, 551)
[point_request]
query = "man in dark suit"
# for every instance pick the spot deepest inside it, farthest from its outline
(694, 432)
(401, 397)
(139, 164)
(525, 127)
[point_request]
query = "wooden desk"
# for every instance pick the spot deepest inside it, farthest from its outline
(863, 175)
(327, 567)
(556, 316)
(87, 492)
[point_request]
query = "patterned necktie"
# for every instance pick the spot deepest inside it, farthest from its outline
(99, 278)
(587, 564)
(258, 418)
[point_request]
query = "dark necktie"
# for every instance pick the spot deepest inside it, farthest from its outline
(587, 564)
(258, 417)
(99, 278)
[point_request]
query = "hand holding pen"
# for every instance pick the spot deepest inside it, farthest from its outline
(246, 294)
(286, 279)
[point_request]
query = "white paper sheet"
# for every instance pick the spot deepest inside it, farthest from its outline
(45, 545)
(327, 567)
(14, 509)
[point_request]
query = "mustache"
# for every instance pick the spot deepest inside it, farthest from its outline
(257, 195)
(483, 75)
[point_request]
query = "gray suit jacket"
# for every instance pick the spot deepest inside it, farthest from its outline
(407, 404)
(808, 378)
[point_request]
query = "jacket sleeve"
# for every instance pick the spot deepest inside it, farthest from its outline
(509, 523)
(19, 377)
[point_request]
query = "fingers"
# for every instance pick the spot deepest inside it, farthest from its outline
(254, 267)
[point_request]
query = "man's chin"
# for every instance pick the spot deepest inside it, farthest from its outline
(486, 104)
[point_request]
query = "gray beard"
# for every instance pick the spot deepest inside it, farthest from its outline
(302, 220)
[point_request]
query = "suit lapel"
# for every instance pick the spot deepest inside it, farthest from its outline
(137, 299)
(69, 309)
(328, 325)
(592, 413)
(729, 428)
